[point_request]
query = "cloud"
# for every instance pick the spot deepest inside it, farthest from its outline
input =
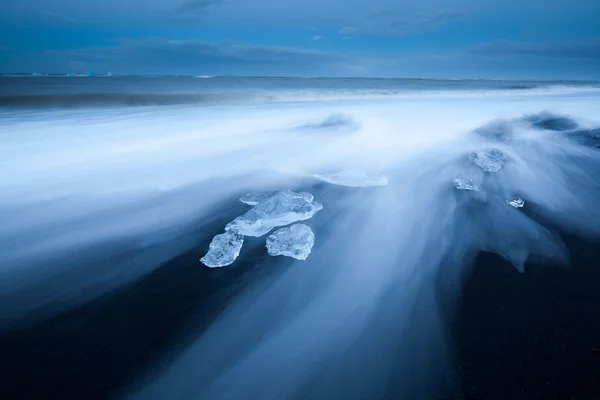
(316, 37)
(387, 24)
(195, 56)
(44, 13)
(58, 16)
(567, 49)
(192, 10)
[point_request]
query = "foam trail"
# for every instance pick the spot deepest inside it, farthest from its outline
(324, 309)
(113, 196)
(326, 329)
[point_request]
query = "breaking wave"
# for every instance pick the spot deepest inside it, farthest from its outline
(121, 91)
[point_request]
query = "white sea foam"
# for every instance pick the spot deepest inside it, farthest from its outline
(84, 210)
(352, 178)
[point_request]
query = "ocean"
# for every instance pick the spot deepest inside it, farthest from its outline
(455, 226)
(115, 91)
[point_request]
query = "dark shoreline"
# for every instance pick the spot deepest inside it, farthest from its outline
(515, 336)
(534, 335)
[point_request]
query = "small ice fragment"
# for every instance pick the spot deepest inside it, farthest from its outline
(254, 198)
(223, 250)
(465, 184)
(352, 178)
(294, 241)
(284, 208)
(517, 202)
(489, 160)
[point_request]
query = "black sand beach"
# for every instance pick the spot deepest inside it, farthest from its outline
(534, 335)
(517, 336)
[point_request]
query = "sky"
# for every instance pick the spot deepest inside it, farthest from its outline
(493, 39)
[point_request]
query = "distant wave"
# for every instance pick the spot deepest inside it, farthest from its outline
(257, 96)
(117, 99)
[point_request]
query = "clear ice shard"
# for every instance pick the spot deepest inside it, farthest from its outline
(465, 184)
(281, 209)
(294, 241)
(489, 160)
(223, 250)
(352, 178)
(517, 202)
(254, 198)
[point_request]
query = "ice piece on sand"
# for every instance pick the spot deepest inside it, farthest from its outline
(489, 160)
(223, 250)
(283, 208)
(254, 198)
(465, 184)
(294, 241)
(352, 178)
(517, 202)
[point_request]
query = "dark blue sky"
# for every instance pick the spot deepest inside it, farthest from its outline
(522, 39)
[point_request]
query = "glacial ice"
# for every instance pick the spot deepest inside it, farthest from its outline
(294, 241)
(254, 198)
(489, 160)
(283, 208)
(352, 178)
(517, 202)
(465, 184)
(223, 250)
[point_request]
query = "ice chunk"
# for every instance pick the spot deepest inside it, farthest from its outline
(517, 202)
(294, 241)
(489, 160)
(465, 184)
(223, 250)
(352, 178)
(254, 198)
(283, 208)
